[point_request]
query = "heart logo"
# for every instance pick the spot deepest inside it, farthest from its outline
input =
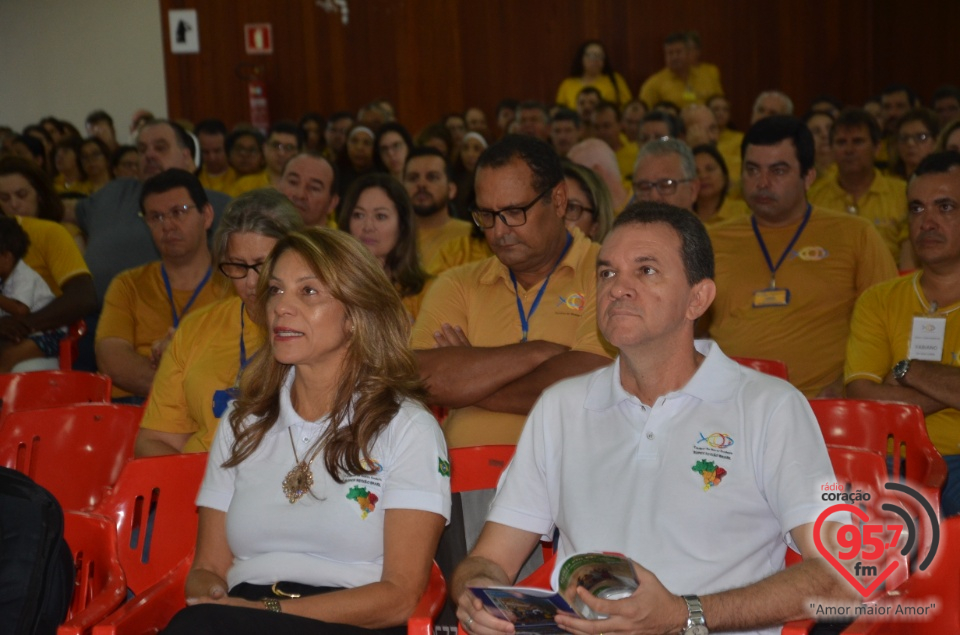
(862, 515)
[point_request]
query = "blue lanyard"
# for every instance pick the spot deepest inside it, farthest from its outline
(186, 307)
(783, 256)
(525, 318)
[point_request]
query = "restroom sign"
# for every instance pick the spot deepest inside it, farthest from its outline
(259, 38)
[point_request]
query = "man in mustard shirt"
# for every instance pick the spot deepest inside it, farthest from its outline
(427, 178)
(858, 187)
(215, 173)
(905, 334)
(789, 273)
(679, 82)
(492, 335)
(144, 305)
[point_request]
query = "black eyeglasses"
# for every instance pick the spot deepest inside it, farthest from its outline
(575, 210)
(511, 216)
(239, 270)
(666, 187)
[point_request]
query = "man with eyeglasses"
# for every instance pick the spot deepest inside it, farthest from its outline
(789, 273)
(859, 188)
(666, 172)
(284, 141)
(144, 305)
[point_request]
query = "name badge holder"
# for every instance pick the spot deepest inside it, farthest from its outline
(774, 296)
(927, 336)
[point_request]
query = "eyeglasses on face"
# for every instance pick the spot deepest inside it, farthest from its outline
(666, 187)
(575, 210)
(176, 214)
(279, 146)
(239, 270)
(918, 138)
(511, 216)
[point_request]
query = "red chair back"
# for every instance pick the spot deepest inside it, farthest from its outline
(99, 585)
(896, 430)
(478, 467)
(48, 388)
(769, 366)
(153, 508)
(69, 345)
(76, 452)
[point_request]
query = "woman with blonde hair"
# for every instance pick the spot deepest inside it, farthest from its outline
(326, 492)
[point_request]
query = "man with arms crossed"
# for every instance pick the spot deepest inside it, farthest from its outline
(611, 458)
(890, 354)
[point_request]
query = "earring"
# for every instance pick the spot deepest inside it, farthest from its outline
(353, 329)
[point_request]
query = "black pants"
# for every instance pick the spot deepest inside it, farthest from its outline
(214, 619)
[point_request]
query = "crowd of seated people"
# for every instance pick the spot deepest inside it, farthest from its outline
(489, 238)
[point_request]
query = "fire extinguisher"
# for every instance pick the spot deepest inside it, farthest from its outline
(259, 106)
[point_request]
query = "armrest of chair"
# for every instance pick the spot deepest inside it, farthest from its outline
(151, 610)
(430, 605)
(100, 606)
(798, 627)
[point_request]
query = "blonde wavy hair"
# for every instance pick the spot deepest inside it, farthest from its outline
(378, 372)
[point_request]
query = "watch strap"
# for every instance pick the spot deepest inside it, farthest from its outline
(696, 622)
(272, 605)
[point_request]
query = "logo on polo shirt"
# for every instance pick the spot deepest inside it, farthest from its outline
(366, 499)
(812, 253)
(711, 473)
(575, 301)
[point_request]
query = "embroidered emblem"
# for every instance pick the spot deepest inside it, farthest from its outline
(712, 475)
(373, 465)
(443, 467)
(574, 301)
(717, 440)
(366, 500)
(812, 253)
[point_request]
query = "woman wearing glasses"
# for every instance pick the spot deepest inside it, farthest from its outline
(589, 205)
(200, 370)
(916, 137)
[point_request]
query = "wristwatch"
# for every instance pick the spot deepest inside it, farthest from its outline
(696, 623)
(900, 370)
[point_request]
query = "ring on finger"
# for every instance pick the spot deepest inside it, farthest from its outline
(469, 622)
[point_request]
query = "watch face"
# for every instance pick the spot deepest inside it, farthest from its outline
(699, 629)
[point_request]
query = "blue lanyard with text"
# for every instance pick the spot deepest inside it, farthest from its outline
(186, 307)
(783, 256)
(525, 318)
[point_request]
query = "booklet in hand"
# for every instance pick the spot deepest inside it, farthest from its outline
(606, 575)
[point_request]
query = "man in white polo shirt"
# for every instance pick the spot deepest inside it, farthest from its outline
(699, 470)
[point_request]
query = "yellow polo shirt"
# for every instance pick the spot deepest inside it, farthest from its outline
(665, 85)
(479, 297)
(571, 87)
(249, 183)
(430, 240)
(219, 183)
(53, 253)
(203, 357)
(836, 258)
(884, 205)
(456, 252)
(136, 308)
(880, 337)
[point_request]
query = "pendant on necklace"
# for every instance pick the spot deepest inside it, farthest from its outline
(298, 482)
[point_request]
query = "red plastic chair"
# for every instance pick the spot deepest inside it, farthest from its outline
(939, 584)
(478, 467)
(69, 345)
(76, 452)
(99, 585)
(769, 366)
(44, 389)
(896, 430)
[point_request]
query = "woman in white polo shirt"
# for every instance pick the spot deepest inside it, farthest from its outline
(325, 496)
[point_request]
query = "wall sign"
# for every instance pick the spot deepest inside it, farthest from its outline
(258, 38)
(184, 34)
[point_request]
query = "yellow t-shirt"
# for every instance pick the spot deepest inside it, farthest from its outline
(77, 187)
(136, 308)
(203, 357)
(665, 85)
(220, 183)
(430, 240)
(412, 303)
(730, 209)
(627, 159)
(728, 145)
(52, 253)
(880, 337)
(456, 252)
(836, 258)
(884, 205)
(249, 183)
(479, 297)
(571, 87)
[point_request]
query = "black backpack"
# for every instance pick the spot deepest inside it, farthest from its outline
(36, 567)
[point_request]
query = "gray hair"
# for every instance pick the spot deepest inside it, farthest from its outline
(774, 93)
(666, 147)
(266, 212)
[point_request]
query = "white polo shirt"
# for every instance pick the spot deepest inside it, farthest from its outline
(334, 537)
(615, 475)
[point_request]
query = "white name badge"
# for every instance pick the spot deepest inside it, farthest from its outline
(926, 341)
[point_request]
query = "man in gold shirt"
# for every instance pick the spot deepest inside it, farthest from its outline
(426, 176)
(905, 334)
(493, 334)
(283, 142)
(310, 182)
(679, 82)
(215, 173)
(788, 274)
(858, 187)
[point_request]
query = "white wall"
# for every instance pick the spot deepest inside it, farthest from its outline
(68, 57)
